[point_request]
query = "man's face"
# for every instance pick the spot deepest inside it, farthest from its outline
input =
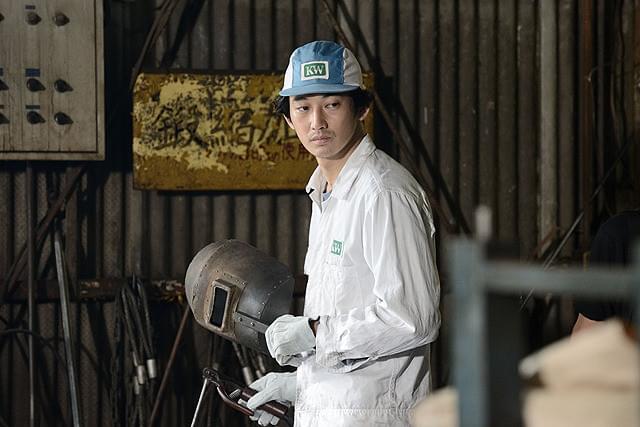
(327, 125)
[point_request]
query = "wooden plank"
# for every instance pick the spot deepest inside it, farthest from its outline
(507, 159)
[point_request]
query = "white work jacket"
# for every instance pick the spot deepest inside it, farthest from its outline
(374, 285)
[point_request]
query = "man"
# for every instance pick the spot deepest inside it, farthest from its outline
(371, 304)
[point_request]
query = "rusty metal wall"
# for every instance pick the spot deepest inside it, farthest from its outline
(465, 71)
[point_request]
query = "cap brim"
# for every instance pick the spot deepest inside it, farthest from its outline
(317, 88)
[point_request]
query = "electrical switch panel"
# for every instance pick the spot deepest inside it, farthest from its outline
(51, 80)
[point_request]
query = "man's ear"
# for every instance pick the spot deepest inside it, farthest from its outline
(289, 122)
(363, 113)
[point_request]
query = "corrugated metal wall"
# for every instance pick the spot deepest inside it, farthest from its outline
(466, 72)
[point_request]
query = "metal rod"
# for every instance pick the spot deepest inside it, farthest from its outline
(19, 265)
(203, 392)
(167, 371)
(31, 299)
(66, 327)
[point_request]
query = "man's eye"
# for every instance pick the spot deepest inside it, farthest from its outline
(302, 109)
(333, 105)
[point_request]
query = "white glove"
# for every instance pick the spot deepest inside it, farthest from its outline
(279, 386)
(288, 337)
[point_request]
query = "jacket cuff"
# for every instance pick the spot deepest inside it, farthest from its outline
(327, 354)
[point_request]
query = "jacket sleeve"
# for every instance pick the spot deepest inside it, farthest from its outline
(399, 250)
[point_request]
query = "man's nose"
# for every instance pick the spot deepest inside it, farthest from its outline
(317, 120)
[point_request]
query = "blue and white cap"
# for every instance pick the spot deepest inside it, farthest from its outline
(321, 67)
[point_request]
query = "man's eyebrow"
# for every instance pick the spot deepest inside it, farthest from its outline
(303, 97)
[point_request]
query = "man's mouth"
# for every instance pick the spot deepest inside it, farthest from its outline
(319, 139)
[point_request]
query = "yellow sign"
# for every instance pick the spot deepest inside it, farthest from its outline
(214, 132)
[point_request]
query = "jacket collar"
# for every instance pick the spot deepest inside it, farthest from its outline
(347, 175)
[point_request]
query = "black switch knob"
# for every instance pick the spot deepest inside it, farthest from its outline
(62, 119)
(60, 19)
(34, 85)
(3, 85)
(1, 17)
(3, 119)
(33, 18)
(34, 117)
(61, 86)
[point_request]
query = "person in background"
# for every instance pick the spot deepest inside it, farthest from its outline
(613, 245)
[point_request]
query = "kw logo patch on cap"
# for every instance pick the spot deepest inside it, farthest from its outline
(315, 70)
(336, 247)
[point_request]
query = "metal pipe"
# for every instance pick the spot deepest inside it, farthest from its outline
(19, 265)
(31, 299)
(167, 371)
(203, 392)
(66, 327)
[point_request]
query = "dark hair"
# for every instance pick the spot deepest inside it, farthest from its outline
(362, 99)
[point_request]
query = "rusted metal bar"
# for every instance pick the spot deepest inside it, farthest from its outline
(99, 289)
(167, 371)
(61, 268)
(21, 260)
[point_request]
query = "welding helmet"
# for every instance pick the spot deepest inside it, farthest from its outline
(236, 291)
